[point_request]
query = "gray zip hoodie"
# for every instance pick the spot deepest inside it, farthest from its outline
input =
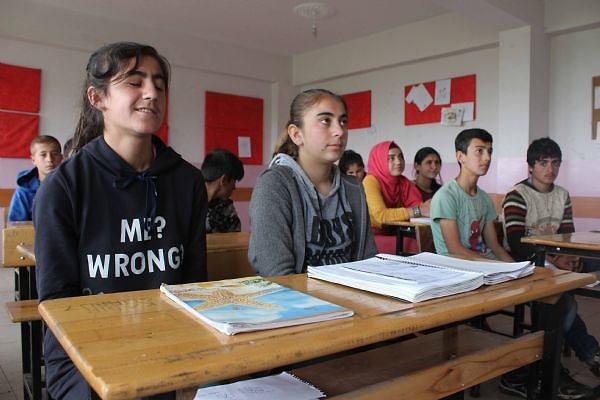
(294, 226)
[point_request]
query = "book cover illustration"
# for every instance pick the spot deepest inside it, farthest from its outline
(252, 303)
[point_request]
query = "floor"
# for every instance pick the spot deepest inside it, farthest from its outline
(10, 355)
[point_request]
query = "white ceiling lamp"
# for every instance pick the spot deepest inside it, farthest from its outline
(313, 11)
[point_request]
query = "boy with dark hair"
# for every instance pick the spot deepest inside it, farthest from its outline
(45, 156)
(221, 169)
(536, 206)
(462, 214)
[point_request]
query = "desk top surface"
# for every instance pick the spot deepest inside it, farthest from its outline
(221, 242)
(140, 343)
(576, 240)
(415, 222)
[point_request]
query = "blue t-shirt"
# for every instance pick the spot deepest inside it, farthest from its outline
(471, 214)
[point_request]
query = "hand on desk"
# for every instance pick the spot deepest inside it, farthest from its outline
(566, 262)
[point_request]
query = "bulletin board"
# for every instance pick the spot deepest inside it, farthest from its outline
(359, 109)
(235, 123)
(16, 133)
(19, 106)
(595, 107)
(423, 102)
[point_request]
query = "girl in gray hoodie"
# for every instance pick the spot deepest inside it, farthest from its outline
(303, 211)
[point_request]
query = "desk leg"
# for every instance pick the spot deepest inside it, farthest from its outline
(540, 257)
(399, 241)
(550, 318)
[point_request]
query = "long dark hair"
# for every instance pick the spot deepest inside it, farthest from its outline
(104, 64)
(302, 102)
(420, 156)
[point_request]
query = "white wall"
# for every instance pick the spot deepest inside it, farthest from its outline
(574, 60)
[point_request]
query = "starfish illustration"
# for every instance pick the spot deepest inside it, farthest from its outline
(222, 297)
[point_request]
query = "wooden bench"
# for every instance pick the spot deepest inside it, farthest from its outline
(429, 366)
(26, 313)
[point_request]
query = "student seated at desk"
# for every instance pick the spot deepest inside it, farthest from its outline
(221, 169)
(462, 223)
(462, 214)
(427, 165)
(390, 195)
(536, 206)
(45, 156)
(303, 211)
(125, 212)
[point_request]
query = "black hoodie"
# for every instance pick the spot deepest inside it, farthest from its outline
(102, 227)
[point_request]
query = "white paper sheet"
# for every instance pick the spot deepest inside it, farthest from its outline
(274, 387)
(244, 147)
(420, 97)
(442, 92)
(467, 108)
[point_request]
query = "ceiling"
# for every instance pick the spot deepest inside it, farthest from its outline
(266, 25)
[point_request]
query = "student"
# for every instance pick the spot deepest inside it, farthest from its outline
(45, 156)
(221, 169)
(390, 195)
(303, 211)
(536, 206)
(427, 165)
(462, 214)
(352, 164)
(125, 212)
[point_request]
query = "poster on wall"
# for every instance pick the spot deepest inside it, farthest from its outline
(20, 88)
(359, 109)
(235, 123)
(19, 106)
(16, 133)
(424, 102)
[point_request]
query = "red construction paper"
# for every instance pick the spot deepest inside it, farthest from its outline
(16, 133)
(20, 88)
(359, 109)
(228, 117)
(462, 90)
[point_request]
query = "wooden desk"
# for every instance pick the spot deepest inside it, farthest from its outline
(227, 255)
(140, 343)
(583, 244)
(419, 230)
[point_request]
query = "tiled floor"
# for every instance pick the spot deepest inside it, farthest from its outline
(10, 356)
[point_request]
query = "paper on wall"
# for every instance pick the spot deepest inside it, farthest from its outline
(467, 108)
(442, 92)
(451, 117)
(420, 97)
(596, 97)
(244, 147)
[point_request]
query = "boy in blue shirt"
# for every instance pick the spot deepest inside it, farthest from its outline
(45, 156)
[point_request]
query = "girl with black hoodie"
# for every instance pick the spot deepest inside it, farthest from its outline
(125, 212)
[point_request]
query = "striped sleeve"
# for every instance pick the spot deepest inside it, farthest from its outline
(567, 225)
(515, 211)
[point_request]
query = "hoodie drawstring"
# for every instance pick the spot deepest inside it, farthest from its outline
(151, 196)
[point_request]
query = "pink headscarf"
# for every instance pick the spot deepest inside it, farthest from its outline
(397, 191)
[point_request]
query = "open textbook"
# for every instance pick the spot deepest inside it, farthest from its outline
(251, 304)
(420, 277)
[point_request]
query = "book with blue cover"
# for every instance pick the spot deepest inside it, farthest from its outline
(250, 304)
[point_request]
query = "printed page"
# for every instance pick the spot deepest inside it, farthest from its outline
(275, 387)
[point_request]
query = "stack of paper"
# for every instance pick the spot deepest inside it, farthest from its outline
(421, 277)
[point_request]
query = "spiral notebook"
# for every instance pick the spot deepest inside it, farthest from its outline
(275, 387)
